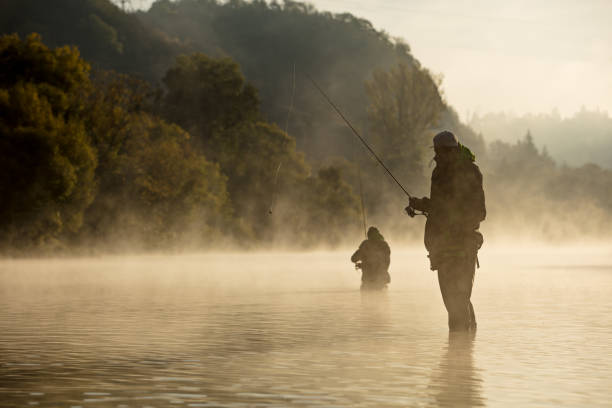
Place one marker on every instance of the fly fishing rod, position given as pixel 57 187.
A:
pixel 409 210
pixel 359 136
pixel 274 190
pixel 363 213
pixel 275 186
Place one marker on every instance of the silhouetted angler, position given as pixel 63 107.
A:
pixel 373 258
pixel 454 211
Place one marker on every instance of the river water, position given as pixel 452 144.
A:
pixel 279 329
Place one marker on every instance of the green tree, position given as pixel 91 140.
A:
pixel 48 162
pixel 333 206
pixel 207 95
pixel 268 39
pixel 105 35
pixel 88 162
pixel 159 192
pixel 404 104
pixel 154 187
pixel 211 98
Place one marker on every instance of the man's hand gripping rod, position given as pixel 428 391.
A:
pixel 409 210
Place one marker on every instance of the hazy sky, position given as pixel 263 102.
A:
pixel 500 55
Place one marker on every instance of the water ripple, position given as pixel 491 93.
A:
pixel 207 331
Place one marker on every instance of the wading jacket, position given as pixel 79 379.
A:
pixel 456 207
pixel 375 257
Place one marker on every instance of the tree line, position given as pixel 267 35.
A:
pixel 171 128
pixel 102 158
pixel 585 137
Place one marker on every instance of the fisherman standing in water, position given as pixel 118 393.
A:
pixel 454 211
pixel 373 257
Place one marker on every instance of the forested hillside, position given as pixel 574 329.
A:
pixel 106 37
pixel 269 41
pixel 196 123
pixel 99 160
pixel 585 137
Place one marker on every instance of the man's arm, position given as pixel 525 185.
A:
pixel 356 257
pixel 420 204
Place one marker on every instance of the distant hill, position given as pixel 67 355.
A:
pixel 343 53
pixel 105 35
pixel 340 51
pixel 583 138
pixel 269 41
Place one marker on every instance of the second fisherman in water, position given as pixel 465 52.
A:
pixel 373 258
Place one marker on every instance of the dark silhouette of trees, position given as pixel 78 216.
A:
pixel 107 37
pixel 191 154
pixel 585 137
pixel 404 104
pixel 267 40
pixel 102 159
pixel 81 156
pixel 48 162
pixel 211 98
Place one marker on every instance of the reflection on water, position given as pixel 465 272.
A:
pixel 276 330
pixel 456 382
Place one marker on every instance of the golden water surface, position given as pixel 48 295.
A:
pixel 284 329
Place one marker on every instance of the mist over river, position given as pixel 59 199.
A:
pixel 293 329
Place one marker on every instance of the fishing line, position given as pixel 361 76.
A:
pixel 275 185
pixel 358 135
pixel 363 213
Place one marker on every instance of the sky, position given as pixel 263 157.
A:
pixel 499 55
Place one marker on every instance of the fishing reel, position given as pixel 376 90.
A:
pixel 413 213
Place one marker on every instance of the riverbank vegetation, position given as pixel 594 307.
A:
pixel 191 126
